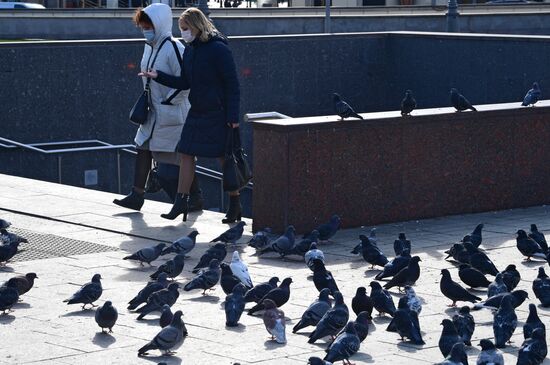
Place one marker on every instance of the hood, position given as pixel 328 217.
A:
pixel 216 37
pixel 161 16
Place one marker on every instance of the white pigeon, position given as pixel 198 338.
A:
pixel 240 270
pixel 414 302
pixel 312 254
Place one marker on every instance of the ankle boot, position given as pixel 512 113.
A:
pixel 195 196
pixel 181 205
pixel 134 200
pixel 234 212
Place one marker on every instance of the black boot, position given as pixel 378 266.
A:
pixel 181 205
pixel 195 196
pixel 134 200
pixel 234 212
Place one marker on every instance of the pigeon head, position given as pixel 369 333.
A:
pixel 323 294
pixel 96 278
pixel 533 311
pixel 415 259
pixel 498 279
pixel 313 246
pixel 408 93
pixel 173 286
pixel 177 317
pixel 269 304
pixel 193 234
pixel 448 327
pixel 350 328
pixel 534 228
pixel 108 304
pixel 316 361
pixel 31 276
pixel 239 289
pixel 363 318
pixel 535 85
pixel 165 307
pixel 235 257
pixel 402 236
pixel 339 299
pixel 286 282
pixel 364 239
pixel 469 247
pixel 454 91
pixel 521 233
pixel 214 263
pixel 335 220
pixel 314 235
pixel 538 334
pixel 361 291
pixel 179 258
pixel 160 246
pixel 336 97
pixel 273 281
pixel 478 228
pixel 464 310
pixel 403 303
pixel 487 345
pixel 445 273
pixel 241 224
pixel 290 230
pixel 409 291
pixel 226 269
pixel 463 266
pixel 375 285
pixel 542 273
pixel 510 267
pixel 219 246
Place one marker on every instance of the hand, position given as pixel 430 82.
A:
pixel 233 125
pixel 151 73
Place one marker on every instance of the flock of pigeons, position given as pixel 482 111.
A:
pixel 328 314
pixel 408 104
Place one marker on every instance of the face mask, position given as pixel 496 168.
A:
pixel 149 35
pixel 187 36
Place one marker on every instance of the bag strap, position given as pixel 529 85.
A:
pixel 154 59
pixel 180 61
pixel 229 142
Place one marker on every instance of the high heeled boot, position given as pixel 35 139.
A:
pixel 134 200
pixel 181 206
pixel 235 210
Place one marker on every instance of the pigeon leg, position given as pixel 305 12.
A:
pixel 452 305
pixel 204 292
pixel 110 330
pixel 141 264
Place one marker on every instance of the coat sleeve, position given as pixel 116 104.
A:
pixel 227 70
pixel 174 82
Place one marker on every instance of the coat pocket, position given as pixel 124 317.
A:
pixel 170 115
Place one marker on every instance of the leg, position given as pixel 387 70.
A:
pixel 135 199
pixel 234 212
pixel 186 174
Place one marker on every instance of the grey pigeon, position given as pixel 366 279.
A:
pixel 405 323
pixel 283 244
pixel 408 104
pixel 149 289
pixel 8 296
pixel 8 251
pixel 259 291
pixel 327 230
pixel 274 321
pixel 495 301
pixel 344 346
pixel 449 336
pixel 343 109
pixel 454 291
pixel 480 260
pixel 497 286
pixel 413 301
pixel 511 277
pixel 158 299
pixel 333 321
pixel 533 322
pixel 476 236
pixel 528 246
pixel 166 316
pixel 472 277
pixel 381 299
pixel 4 224
pixel 313 254
pixel 240 270
pixel 218 252
pixel 205 279
pixel 172 267
pixel 261 239
pixel 458 253
pixel 541 288
pixel 301 248
pixel 394 266
pixel 457 356
pixel 322 278
pixel 182 245
pixel 88 293
pixel 106 316
pixel 401 244
pixel 227 279
pixel 279 296
pixel 232 235
pixel 234 305
pixel 489 354
pixel 169 338
pixel 505 321
pixel 9 237
pixel 407 276
pixel 460 102
pixel 361 302
pixel 533 351
pixel 23 283
pixel 317 361
pixel 315 311
pixel 532 96
pixel 539 238
pixel 370 252
pixel 465 325
pixel 147 254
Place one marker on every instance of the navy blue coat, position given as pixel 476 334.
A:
pixel 210 73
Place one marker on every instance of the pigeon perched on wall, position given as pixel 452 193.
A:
pixel 205 279
pixel 460 102
pixel 344 346
pixel 458 253
pixel 261 238
pixel 480 260
pixel 315 311
pixel 541 288
pixel 405 323
pixel 528 246
pixel 449 336
pixel 240 270
pixel 333 321
pixel 23 283
pixel 8 251
pixel 279 296
pixel 370 252
pixel 322 278
pixel 413 301
pixel 147 254
pixel 381 299
pixel 401 244
pixel 532 96
pixel 313 254
pixel 158 299
pixel 511 277
pixel 234 305
pixel 472 277
pixel 232 235
pixel 465 325
pixel 497 286
pixel 394 266
pixel 301 248
pixel 533 351
pixel 343 109
pixel 361 302
pixel 327 230
pixel 283 244
pixel 505 321
pixel 218 252
pixel 149 289
pixel 106 316
pixel 407 276
pixel 274 321
pixel 539 238
pixel 489 354
pixel 166 316
pixel 457 356
pixel 227 279
pixel 182 245
pixel 454 291
pixel 259 291
pixel 533 322
pixel 170 338
pixel 88 293
pixel 8 296
pixel 408 104
pixel 495 301
pixel 171 268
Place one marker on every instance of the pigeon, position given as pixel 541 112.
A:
pixel 205 279
pixel 494 302
pixel 149 289
pixel 480 260
pixel 166 316
pixel 4 224
pixel 234 305
pixel 541 288
pixel 88 293
pixel 317 361
pixel 497 287
pixel 240 270
pixel 465 325
pixel 460 102
pixel 381 299
pixel 232 235
pixel 539 238
pixel 322 278
pixel 23 283
pixel 261 239
pixel 259 291
pixel 182 245
pixel 218 252
pixel 8 296
pixel 158 299
pixel 407 276
pixel 315 311
pixel 274 321
pixel 533 322
pixel 528 246
pixel 283 245
pixel 8 238
pixel 454 291
pixel 313 254
pixel 371 253
pixel 106 316
pixel 227 279
pixel 476 236
pixel 533 350
pixel 489 354
pixel 401 244
pixel 511 277
pixel 394 266
pixel 361 325
pixel 327 230
pixel 458 253
pixel 457 356
pixel 472 277
pixel 405 323
pixel 333 321
pixel 449 336
pixel 279 296
pixel 172 267
pixel 302 248
pixel 344 346
pixel 505 321
pixel 532 96
pixel 343 109
pixel 361 302
pixel 408 104
pixel 169 338
pixel 413 301
pixel 8 251
pixel 147 254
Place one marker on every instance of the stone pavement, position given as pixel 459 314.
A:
pixel 43 330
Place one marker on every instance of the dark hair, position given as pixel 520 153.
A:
pixel 141 17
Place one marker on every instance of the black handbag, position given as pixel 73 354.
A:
pixel 236 169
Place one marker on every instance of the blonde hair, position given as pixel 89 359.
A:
pixel 196 20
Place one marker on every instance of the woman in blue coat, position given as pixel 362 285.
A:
pixel 210 74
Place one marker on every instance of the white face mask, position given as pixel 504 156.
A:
pixel 187 36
